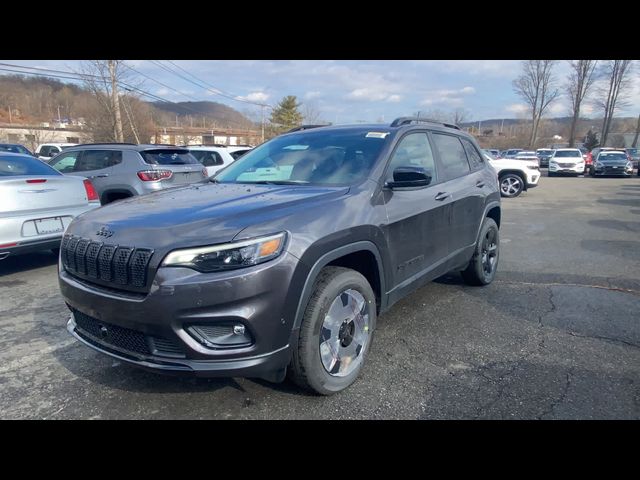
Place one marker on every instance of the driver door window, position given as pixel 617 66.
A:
pixel 414 150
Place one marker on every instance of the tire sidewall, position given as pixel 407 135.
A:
pixel 319 379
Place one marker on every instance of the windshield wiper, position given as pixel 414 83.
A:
pixel 277 182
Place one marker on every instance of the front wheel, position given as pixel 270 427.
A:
pixel 336 332
pixel 511 185
pixel 484 263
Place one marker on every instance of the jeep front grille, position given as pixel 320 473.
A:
pixel 113 264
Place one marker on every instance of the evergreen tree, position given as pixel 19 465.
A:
pixel 591 141
pixel 286 115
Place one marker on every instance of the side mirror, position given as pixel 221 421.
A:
pixel 406 177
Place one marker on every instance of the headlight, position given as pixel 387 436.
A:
pixel 599 165
pixel 533 167
pixel 629 166
pixel 553 162
pixel 228 256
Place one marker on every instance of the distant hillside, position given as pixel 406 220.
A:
pixel 221 114
pixel 30 100
pixel 497 122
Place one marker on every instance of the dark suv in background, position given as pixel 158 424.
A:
pixel 123 170
pixel 284 260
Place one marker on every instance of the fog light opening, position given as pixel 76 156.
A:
pixel 221 336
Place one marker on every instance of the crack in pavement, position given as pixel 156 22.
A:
pixel 563 395
pixel 610 339
pixel 557 284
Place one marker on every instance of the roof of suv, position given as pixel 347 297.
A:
pixel 125 146
pixel 402 123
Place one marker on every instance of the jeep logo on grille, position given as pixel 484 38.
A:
pixel 103 331
pixel 104 232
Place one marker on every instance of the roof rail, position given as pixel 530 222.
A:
pixel 205 145
pixel 103 143
pixel 407 120
pixel 305 127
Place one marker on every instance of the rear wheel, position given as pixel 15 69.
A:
pixel 484 263
pixel 336 332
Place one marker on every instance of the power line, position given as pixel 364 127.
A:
pixel 159 83
pixel 82 76
pixel 207 86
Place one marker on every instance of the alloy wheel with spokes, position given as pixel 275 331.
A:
pixel 511 185
pixel 489 251
pixel 345 333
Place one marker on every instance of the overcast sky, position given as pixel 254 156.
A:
pixel 351 91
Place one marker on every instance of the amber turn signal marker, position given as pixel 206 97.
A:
pixel 270 247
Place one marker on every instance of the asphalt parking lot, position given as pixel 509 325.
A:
pixel 557 335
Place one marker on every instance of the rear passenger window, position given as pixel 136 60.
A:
pixel 97 160
pixel 452 156
pixel 414 150
pixel 475 159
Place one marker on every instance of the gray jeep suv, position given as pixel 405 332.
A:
pixel 283 261
pixel 122 170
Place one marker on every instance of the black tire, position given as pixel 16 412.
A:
pixel 517 187
pixel 475 273
pixel 306 368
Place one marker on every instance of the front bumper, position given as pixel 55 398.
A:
pixel 181 298
pixel 576 169
pixel 253 366
pixel 613 171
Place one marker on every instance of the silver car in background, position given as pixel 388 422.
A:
pixel 37 204
pixel 123 170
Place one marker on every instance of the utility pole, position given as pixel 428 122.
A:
pixel 10 120
pixel 502 125
pixel 115 100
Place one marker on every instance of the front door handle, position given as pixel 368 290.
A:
pixel 480 184
pixel 442 196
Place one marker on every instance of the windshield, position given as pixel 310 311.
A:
pixel 612 156
pixel 323 158
pixel 14 149
pixel 168 157
pixel 11 166
pixel 633 151
pixel 544 152
pixel 567 153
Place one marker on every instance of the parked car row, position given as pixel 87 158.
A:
pixel 42 198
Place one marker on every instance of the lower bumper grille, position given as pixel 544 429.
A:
pixel 125 339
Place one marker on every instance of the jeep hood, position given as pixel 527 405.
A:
pixel 194 215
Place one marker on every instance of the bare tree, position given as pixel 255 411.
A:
pixel 612 94
pixel 579 83
pixel 37 136
pixel 460 115
pixel 635 137
pixel 536 86
pixel 103 79
pixel 311 114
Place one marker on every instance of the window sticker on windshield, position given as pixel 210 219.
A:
pixel 376 134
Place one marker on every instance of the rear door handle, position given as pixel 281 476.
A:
pixel 102 175
pixel 480 184
pixel 442 196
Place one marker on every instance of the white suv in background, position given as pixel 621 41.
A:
pixel 216 157
pixel 47 151
pixel 566 160
pixel 514 176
